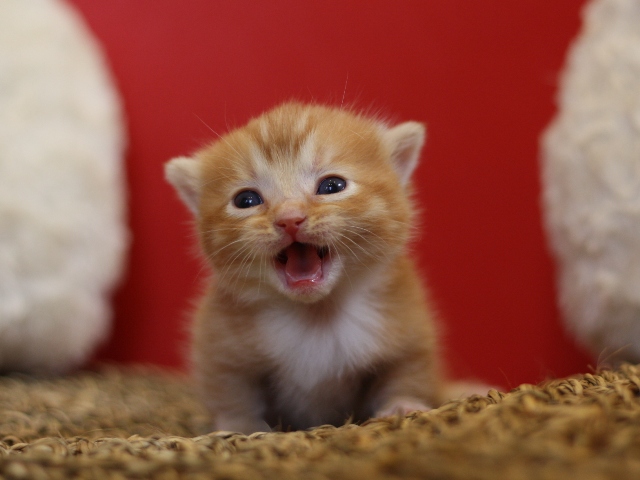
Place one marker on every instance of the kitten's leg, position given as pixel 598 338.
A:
pixel 408 385
pixel 240 423
pixel 401 406
pixel 235 402
pixel 460 389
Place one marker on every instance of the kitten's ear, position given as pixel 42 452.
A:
pixel 184 174
pixel 406 141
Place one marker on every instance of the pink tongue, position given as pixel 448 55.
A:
pixel 303 263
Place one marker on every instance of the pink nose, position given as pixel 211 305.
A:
pixel 291 225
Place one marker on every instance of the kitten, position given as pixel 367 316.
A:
pixel 315 312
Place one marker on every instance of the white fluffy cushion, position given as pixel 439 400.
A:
pixel 62 234
pixel 591 177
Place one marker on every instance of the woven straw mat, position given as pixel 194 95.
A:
pixel 148 424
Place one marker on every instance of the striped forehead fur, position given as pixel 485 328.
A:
pixel 284 131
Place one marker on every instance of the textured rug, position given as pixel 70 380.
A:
pixel 148 424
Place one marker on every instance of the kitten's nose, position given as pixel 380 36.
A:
pixel 291 225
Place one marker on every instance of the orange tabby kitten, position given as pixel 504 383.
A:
pixel 315 312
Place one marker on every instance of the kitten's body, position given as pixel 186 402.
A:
pixel 315 311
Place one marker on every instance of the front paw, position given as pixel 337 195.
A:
pixel 240 424
pixel 402 406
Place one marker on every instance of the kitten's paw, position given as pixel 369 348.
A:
pixel 459 390
pixel 240 425
pixel 402 406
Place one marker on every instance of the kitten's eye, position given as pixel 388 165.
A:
pixel 331 185
pixel 247 199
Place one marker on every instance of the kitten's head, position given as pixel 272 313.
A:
pixel 302 200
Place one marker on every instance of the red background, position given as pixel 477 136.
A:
pixel 481 74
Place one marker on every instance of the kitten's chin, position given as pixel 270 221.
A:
pixel 305 272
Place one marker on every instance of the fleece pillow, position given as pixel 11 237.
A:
pixel 591 179
pixel 62 231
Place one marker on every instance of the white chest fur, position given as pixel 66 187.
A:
pixel 308 348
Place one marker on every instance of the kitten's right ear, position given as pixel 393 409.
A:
pixel 184 174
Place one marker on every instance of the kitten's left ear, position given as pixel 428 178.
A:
pixel 184 174
pixel 406 141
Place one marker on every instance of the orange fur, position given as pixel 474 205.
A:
pixel 271 346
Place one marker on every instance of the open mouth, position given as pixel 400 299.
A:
pixel 302 265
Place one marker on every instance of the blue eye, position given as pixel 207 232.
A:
pixel 247 199
pixel 331 185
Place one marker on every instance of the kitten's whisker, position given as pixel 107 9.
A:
pixel 400 222
pixel 379 249
pixel 246 260
pixel 262 260
pixel 222 229
pixel 206 125
pixel 366 230
pixel 350 230
pixel 344 93
pixel 251 264
pixel 217 178
pixel 213 180
pixel 376 248
pixel 213 230
pixel 204 266
pixel 240 269
pixel 230 261
pixel 237 255
pixel 379 246
pixel 223 138
pixel 356 134
pixel 364 250
pixel 227 245
pixel 345 270
pixel 235 169
pixel 353 253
